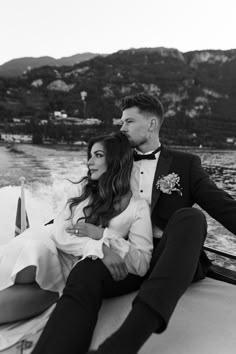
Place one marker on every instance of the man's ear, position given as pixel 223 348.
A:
pixel 153 124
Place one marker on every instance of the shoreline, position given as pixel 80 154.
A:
pixel 72 147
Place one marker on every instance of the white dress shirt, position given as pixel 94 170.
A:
pixel 141 183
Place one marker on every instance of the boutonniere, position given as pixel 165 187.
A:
pixel 170 183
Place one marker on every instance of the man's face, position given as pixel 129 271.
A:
pixel 135 125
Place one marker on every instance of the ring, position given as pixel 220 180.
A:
pixel 76 231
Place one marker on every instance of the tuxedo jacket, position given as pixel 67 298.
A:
pixel 196 187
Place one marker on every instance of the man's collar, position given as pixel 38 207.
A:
pixel 156 151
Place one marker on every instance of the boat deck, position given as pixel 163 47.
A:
pixel 203 322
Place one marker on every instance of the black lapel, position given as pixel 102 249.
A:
pixel 163 167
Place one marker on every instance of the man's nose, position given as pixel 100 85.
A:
pixel 123 128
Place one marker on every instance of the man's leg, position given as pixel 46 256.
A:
pixel 71 325
pixel 175 262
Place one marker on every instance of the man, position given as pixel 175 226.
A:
pixel 171 182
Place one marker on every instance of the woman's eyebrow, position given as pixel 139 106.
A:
pixel 98 151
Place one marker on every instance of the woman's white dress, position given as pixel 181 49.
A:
pixel 54 252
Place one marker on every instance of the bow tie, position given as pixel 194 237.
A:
pixel 151 156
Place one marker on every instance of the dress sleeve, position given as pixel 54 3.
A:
pixel 66 242
pixel 136 250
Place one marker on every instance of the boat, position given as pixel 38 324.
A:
pixel 10 145
pixel 203 322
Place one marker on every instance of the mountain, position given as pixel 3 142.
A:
pixel 197 88
pixel 18 66
pixel 77 58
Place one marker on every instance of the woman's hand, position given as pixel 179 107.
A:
pixel 86 230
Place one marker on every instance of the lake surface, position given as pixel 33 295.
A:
pixel 46 171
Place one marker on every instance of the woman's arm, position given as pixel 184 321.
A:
pixel 137 249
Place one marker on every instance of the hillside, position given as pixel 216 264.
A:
pixel 198 90
pixel 17 67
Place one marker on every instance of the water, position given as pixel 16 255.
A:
pixel 46 171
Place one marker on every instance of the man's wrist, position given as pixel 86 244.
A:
pixel 106 249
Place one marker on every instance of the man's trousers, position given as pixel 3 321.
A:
pixel 177 261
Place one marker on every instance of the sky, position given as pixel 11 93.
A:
pixel 61 28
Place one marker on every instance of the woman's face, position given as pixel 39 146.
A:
pixel 97 163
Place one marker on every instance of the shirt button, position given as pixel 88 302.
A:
pixel 141 191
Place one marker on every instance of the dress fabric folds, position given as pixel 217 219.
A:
pixel 54 252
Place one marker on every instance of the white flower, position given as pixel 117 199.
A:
pixel 168 184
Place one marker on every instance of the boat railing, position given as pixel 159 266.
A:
pixel 219 272
pixel 220 252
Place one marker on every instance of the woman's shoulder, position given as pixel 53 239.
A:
pixel 131 205
pixel 138 202
pixel 139 208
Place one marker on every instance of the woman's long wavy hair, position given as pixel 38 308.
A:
pixel 105 194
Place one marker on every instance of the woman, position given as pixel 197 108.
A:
pixel 35 265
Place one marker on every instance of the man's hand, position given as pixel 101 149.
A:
pixel 115 264
pixel 82 229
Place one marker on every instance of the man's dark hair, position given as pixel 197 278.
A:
pixel 145 102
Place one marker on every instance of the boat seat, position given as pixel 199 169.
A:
pixel 204 322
